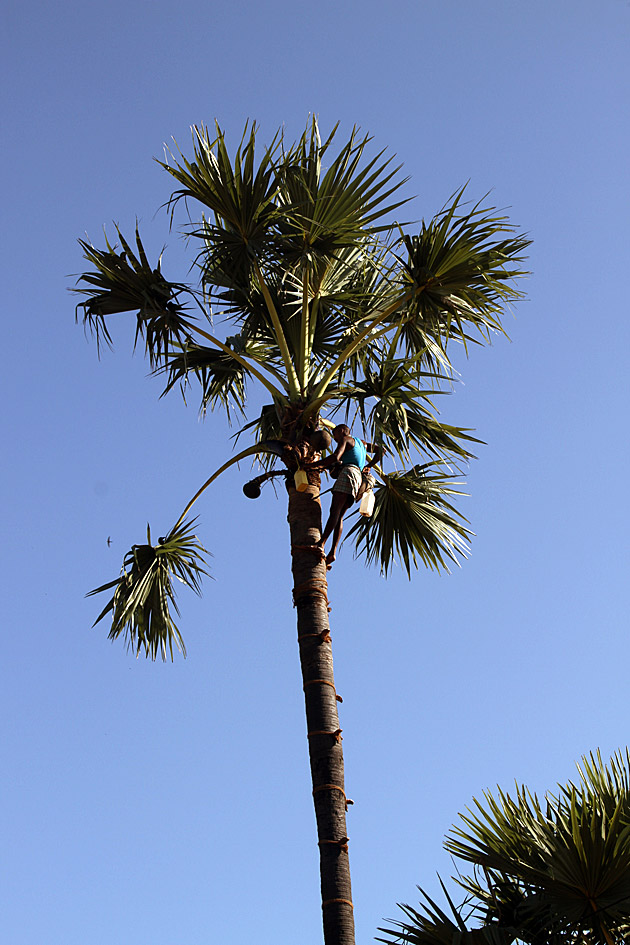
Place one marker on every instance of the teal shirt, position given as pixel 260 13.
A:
pixel 355 455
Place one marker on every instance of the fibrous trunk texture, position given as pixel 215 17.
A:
pixel 322 720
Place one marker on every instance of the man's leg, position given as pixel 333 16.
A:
pixel 341 502
pixel 337 508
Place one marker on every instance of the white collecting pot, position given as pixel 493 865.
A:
pixel 367 504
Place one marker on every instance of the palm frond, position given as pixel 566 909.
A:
pixel 559 865
pixel 124 282
pixel 144 593
pixel 222 378
pixel 325 213
pixel 239 192
pixel 608 786
pixel 431 925
pixel 461 268
pixel 395 404
pixel 413 522
pixel 339 295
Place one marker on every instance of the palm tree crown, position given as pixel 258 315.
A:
pixel 333 310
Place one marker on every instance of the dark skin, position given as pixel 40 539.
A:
pixel 341 501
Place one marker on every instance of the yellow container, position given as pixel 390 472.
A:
pixel 301 480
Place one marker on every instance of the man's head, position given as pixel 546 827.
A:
pixel 340 431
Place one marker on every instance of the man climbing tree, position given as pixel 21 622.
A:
pixel 351 456
pixel 307 289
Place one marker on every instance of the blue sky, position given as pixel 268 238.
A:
pixel 170 804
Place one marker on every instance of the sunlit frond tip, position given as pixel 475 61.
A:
pixel 144 592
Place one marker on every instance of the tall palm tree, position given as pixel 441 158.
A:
pixel 550 873
pixel 332 310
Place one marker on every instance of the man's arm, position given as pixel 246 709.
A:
pixel 331 460
pixel 377 451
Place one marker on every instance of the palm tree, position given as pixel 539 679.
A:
pixel 551 873
pixel 333 310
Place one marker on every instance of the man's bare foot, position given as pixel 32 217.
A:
pixel 330 557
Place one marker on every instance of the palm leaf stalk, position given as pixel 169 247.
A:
pixel 551 872
pixel 306 288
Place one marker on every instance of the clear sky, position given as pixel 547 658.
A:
pixel 169 804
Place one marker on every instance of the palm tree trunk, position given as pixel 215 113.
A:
pixel 322 720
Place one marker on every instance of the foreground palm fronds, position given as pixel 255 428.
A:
pixel 555 872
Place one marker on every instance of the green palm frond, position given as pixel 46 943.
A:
pixel 431 925
pixel 144 592
pixel 562 865
pixel 222 378
pixel 239 192
pixel 124 282
pixel 442 440
pixel 326 213
pixel 461 268
pixel 395 405
pixel 251 312
pixel 606 785
pixel 413 522
pixel 339 297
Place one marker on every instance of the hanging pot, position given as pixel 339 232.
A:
pixel 252 489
